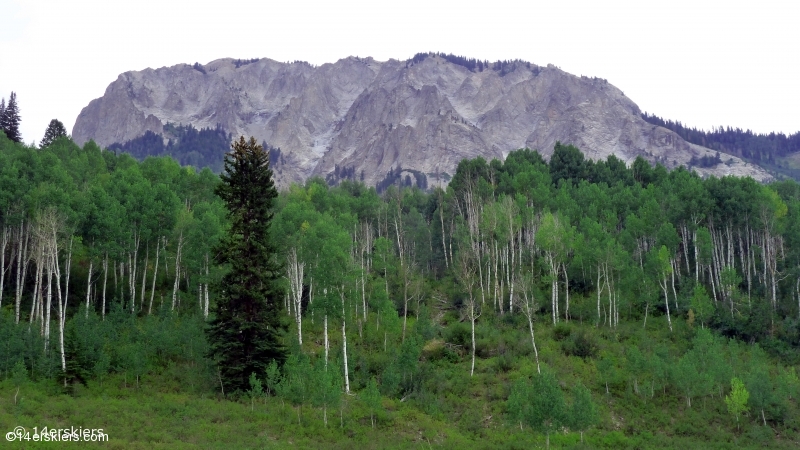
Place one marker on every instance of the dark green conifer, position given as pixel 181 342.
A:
pixel 54 131
pixel 9 119
pixel 245 333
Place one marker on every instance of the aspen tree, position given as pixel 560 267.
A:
pixel 466 276
pixel 529 307
pixel 294 272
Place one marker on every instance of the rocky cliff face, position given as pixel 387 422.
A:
pixel 361 116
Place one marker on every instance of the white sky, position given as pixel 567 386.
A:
pixel 704 63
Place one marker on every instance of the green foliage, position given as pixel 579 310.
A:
pixel 256 389
pixel 371 397
pixel 582 344
pixel 538 403
pixel 55 129
pixel 273 377
pixel 567 163
pixel 583 413
pixel 326 389
pixel 701 304
pixel 9 119
pixel 244 335
pixel 614 233
pixel 201 148
pixel 737 400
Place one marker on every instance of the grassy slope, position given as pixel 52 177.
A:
pixel 458 411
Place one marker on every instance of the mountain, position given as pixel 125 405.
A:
pixel 377 121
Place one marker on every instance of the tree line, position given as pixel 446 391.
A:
pixel 764 149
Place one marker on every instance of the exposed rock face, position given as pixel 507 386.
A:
pixel 370 116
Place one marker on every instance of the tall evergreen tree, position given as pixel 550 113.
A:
pixel 245 333
pixel 9 119
pixel 54 131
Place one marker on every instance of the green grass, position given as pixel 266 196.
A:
pixel 178 406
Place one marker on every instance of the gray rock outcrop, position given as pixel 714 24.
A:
pixel 369 116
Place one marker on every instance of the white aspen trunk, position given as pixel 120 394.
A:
pixel 327 345
pixel 488 254
pixel 566 291
pixel 511 283
pixel 105 282
pixel 89 285
pixel 22 253
pixel 36 286
pixel 599 292
pixel 344 345
pixel 472 322
pixel 363 291
pixel 713 285
pixel 529 314
pixel 773 281
pixel 742 260
pixel 494 257
pixel 553 287
pixel 114 270
pixel 295 270
pixel 405 301
pixel 729 234
pixel 610 297
pixel 4 239
pixel 60 312
pixel 166 257
pixel 66 281
pixel 155 275
pixel 49 301
pixel 663 284
pixel 131 283
pixel 68 270
pixel 685 245
pixel 450 241
pixel 751 264
pixel 444 246
pixel 205 309
pixel 144 277
pixel 696 257
pixel 176 284
pixel 480 271
pixel 675 266
pixel 62 308
pixel 133 269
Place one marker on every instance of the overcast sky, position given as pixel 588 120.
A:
pixel 703 63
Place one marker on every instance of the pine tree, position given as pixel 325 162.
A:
pixel 54 131
pixel 9 119
pixel 245 334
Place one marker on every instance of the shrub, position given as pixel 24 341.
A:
pixel 582 344
pixel 561 331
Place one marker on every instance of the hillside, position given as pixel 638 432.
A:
pixel 642 303
pixel 365 120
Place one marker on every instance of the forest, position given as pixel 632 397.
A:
pixel 567 304
pixel 766 150
pixel 186 144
